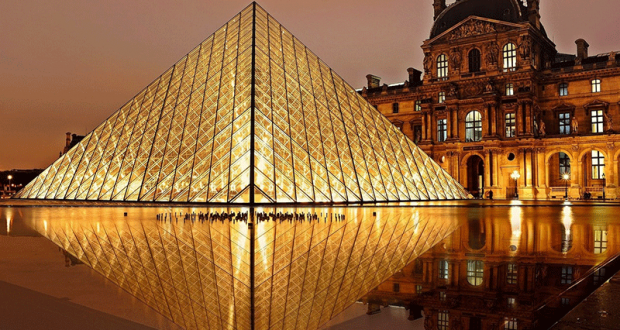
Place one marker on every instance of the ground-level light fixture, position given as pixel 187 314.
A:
pixel 566 177
pixel 515 176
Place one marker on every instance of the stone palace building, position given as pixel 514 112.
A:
pixel 501 110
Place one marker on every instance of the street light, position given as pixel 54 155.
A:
pixel 515 176
pixel 566 177
pixel 10 177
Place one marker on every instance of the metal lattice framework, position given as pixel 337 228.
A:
pixel 214 275
pixel 249 116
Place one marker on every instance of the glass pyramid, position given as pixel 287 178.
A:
pixel 249 116
pixel 226 275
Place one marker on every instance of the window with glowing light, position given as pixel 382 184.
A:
pixel 510 89
pixel 473 127
pixel 596 86
pixel 511 274
pixel 442 320
pixel 597 121
pixel 442 66
pixel 418 105
pixel 510 57
pixel 600 241
pixel 510 323
pixel 475 272
pixel 598 165
pixel 511 125
pixel 441 98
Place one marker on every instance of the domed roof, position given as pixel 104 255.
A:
pixel 502 10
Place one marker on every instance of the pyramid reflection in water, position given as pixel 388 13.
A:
pixel 199 274
pixel 249 116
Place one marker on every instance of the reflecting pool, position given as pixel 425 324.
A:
pixel 460 266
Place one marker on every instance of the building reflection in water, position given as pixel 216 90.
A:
pixel 207 275
pixel 524 271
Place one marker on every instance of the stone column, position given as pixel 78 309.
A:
pixel 528 118
pixel 423 127
pixel 455 126
pixel 485 121
pixel 519 118
pixel 487 170
pixel 496 157
pixel 449 123
pixel 527 154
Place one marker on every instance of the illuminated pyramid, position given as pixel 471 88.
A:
pixel 249 116
pixel 209 275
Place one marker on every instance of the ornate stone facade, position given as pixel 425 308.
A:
pixel 509 98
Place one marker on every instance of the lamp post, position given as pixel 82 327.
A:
pixel 566 177
pixel 515 176
pixel 10 177
pixel 604 184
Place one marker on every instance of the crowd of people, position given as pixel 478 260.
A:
pixel 243 217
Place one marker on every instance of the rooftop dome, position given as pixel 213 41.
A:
pixel 502 10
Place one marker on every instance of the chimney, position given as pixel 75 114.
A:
pixel 414 76
pixel 68 139
pixel 533 12
pixel 439 6
pixel 373 81
pixel 582 49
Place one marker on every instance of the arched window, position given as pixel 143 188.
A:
pixel 564 165
pixel 598 165
pixel 475 272
pixel 473 127
pixel 510 57
pixel 474 60
pixel 442 66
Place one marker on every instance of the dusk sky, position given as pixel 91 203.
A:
pixel 66 65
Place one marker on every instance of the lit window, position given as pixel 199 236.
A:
pixel 442 97
pixel 512 302
pixel 510 90
pixel 510 57
pixel 565 302
pixel 511 275
pixel 597 121
pixel 395 107
pixel 442 320
pixel 596 86
pixel 474 60
pixel 418 289
pixel 511 125
pixel 598 165
pixel 442 130
pixel 600 241
pixel 442 66
pixel 475 272
pixel 418 105
pixel 473 127
pixel 396 287
pixel 564 123
pixel 443 269
pixel 564 165
pixel 563 89
pixel 510 323
pixel 442 296
pixel 567 275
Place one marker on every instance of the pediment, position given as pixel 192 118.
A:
pixel 564 107
pixel 474 26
